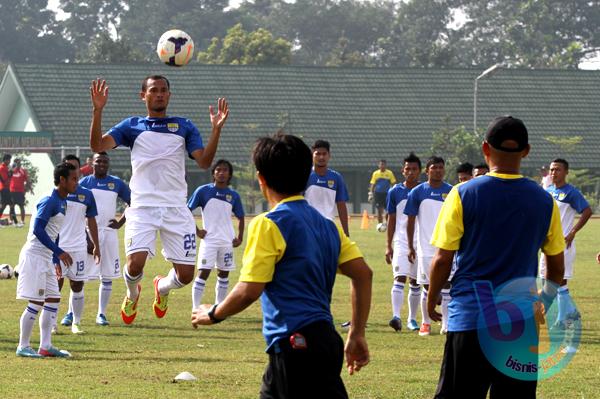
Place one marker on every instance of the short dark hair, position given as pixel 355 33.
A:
pixel 71 157
pixel 63 169
pixel 563 161
pixel 321 144
pixel 413 158
pixel 222 162
pixel 6 157
pixel 482 166
pixel 284 161
pixel 154 77
pixel 465 167
pixel 102 153
pixel 433 160
pixel 383 160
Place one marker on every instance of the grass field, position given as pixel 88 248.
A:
pixel 140 361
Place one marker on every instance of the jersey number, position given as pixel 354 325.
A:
pixel 189 241
pixel 80 265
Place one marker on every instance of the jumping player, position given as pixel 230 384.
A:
pixel 217 202
pixel 159 144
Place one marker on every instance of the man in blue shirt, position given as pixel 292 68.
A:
pixel 290 262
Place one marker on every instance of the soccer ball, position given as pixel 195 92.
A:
pixel 381 227
pixel 175 47
pixel 6 271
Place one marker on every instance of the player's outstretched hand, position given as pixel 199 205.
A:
pixel 66 259
pixel 200 316
pixel 357 353
pixel 99 93
pixel 218 120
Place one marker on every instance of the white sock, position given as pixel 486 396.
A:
pixel 198 291
pixel 132 283
pixel 445 301
pixel 104 292
pixel 70 310
pixel 397 298
pixel 26 324
pixel 76 300
pixel 424 314
pixel 221 289
pixel 47 320
pixel 414 296
pixel 169 282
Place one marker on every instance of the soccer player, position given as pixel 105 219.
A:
pixel 381 181
pixel 37 281
pixel 326 190
pixel 159 144
pixel 464 172
pixel 291 261
pixel 480 170
pixel 5 172
pixel 396 252
pixel 496 225
pixel 106 189
pixel 217 202
pixel 570 202
pixel 81 207
pixel 18 185
pixel 422 208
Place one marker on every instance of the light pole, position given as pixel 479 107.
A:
pixel 485 73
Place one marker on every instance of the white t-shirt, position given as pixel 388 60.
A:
pixel 106 191
pixel 80 205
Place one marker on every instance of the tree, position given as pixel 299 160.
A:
pixel 456 145
pixel 104 50
pixel 254 48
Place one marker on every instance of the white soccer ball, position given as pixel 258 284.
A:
pixel 381 227
pixel 175 47
pixel 6 271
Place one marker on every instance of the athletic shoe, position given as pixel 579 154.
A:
pixel 53 352
pixel 27 352
pixel 425 329
pixel 101 320
pixel 412 325
pixel 67 320
pixel 396 324
pixel 161 302
pixel 129 307
pixel 346 324
pixel 76 329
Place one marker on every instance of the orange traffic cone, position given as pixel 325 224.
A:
pixel 364 224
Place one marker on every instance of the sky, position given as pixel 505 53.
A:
pixel 591 64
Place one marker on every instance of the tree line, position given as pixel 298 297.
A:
pixel 379 33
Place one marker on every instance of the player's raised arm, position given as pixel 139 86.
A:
pixel 205 156
pixel 99 96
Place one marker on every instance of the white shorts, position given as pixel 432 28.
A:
pixel 37 278
pixel 110 262
pixel 453 269
pixel 83 265
pixel 210 257
pixel 177 229
pixel 423 263
pixel 401 265
pixel 569 262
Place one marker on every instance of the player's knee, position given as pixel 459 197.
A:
pixel 76 286
pixel 185 276
pixel 223 273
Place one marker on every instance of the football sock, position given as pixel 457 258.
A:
pixel 445 301
pixel 132 283
pixel 76 301
pixel 414 296
pixel 221 289
pixel 169 282
pixel 397 298
pixel 198 291
pixel 27 322
pixel 47 320
pixel 424 313
pixel 104 292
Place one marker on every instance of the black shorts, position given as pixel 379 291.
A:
pixel 5 197
pixel 466 373
pixel 313 372
pixel 18 198
pixel 380 199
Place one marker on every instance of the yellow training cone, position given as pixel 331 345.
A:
pixel 364 224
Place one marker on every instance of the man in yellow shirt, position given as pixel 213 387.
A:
pixel 381 181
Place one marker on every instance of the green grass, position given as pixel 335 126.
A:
pixel 140 361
